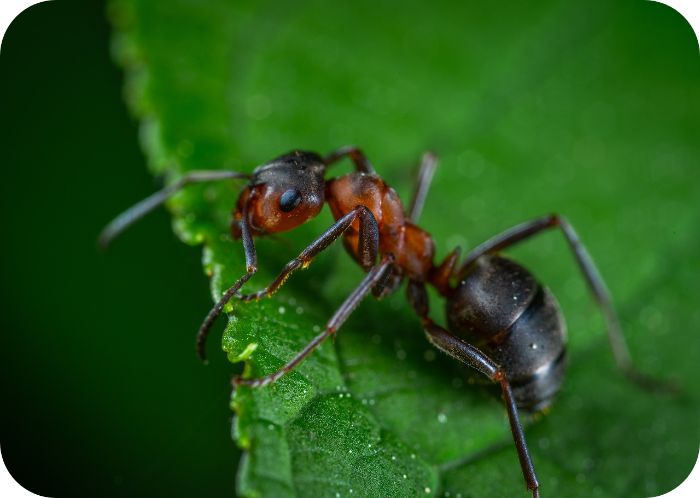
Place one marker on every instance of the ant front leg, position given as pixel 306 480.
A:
pixel 593 279
pixel 251 262
pixel 358 157
pixel 466 353
pixel 375 279
pixel 367 250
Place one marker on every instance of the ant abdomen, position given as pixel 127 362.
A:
pixel 502 309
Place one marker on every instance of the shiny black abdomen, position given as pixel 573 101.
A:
pixel 501 309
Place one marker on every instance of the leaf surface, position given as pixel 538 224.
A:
pixel 586 109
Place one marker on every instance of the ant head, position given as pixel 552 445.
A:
pixel 283 194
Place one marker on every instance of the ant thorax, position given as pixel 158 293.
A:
pixel 413 247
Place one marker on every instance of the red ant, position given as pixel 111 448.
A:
pixel 502 322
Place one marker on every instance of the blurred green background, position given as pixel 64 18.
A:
pixel 100 398
pixel 588 109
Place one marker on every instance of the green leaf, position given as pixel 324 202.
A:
pixel 588 109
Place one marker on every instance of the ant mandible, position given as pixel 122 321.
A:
pixel 501 321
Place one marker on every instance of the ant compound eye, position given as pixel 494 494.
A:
pixel 289 200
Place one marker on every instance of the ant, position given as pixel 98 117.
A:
pixel 501 320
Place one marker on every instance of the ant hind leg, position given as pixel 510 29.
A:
pixel 468 354
pixel 593 279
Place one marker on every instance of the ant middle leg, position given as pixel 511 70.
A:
pixel 375 279
pixel 428 164
pixel 593 279
pixel 368 249
pixel 468 354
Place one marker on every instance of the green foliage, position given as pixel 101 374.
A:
pixel 589 109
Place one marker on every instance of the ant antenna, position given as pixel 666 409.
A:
pixel 138 211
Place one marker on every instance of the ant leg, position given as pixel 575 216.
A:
pixel 375 278
pixel 466 353
pixel 358 157
pixel 455 347
pixel 593 279
pixel 362 164
pixel 368 248
pixel 138 211
pixel 251 262
pixel 425 176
